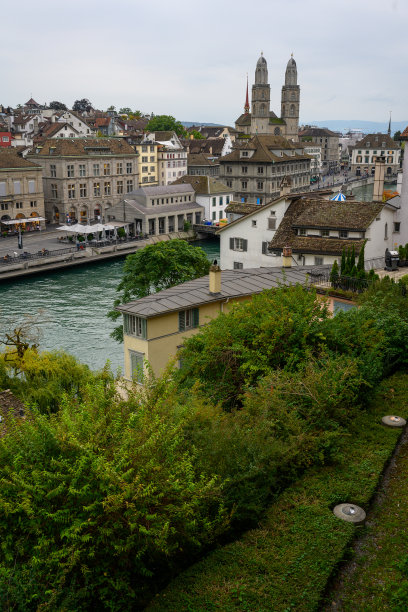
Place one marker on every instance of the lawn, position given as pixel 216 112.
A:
pixel 286 563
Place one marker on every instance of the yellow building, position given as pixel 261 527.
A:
pixel 155 326
pixel 148 164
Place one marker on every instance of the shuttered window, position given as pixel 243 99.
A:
pixel 271 223
pixel 188 319
pixel 136 366
pixel 238 244
pixel 135 326
pixel 264 248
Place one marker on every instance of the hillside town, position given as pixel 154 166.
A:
pixel 203 365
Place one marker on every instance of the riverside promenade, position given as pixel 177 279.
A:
pixel 44 251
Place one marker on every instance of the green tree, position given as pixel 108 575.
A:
pixel 334 274
pixel 111 108
pixel 343 262
pixel 197 135
pixel 165 123
pixel 156 267
pixel 55 105
pixel 125 110
pixel 397 135
pixel 361 255
pixel 82 105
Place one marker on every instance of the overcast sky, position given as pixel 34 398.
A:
pixel 189 58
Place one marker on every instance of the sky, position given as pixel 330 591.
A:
pixel 190 58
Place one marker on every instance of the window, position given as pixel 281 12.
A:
pixel 318 261
pixel 259 185
pixel 260 170
pixel 244 153
pixel 2 188
pixel 82 190
pixel 238 265
pixel 19 205
pixel 152 168
pixel 227 200
pixel 244 184
pixel 386 231
pixel 253 222
pixel 134 326
pixel 54 190
pixel 221 202
pixel 53 170
pixel 238 244
pixel 4 206
pixel 129 168
pixel 145 169
pixel 151 148
pixel 5 138
pixel 136 366
pixel 145 179
pixel 343 234
pixel 145 159
pixel 228 183
pixel 214 201
pixel 97 189
pixel 244 169
pixel 325 233
pixel 129 186
pixel 188 319
pixel 70 170
pixel 33 203
pixel 214 215
pixel 265 248
pixel 71 191
pixel 151 158
pixel 106 169
pixel 107 188
pixel 96 169
pixel 119 187
pixel 229 169
pixel 271 223
pixel 31 186
pixel 397 226
pixel 17 187
pixel 144 148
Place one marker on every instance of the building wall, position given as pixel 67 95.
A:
pixel 255 235
pixel 23 193
pixel 112 186
pixel 214 205
pixel 148 163
pixel 172 165
pixel 363 160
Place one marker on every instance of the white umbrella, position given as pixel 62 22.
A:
pixel 64 228
pixel 109 227
pixel 98 227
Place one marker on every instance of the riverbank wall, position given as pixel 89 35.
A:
pixel 90 255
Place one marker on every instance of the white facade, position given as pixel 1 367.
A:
pixel 243 243
pixel 77 123
pixel 172 164
pixel 214 205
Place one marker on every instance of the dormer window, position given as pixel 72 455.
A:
pixel 244 153
pixel 302 231
pixel 367 145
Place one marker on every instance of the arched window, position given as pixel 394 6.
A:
pixel 262 113
pixel 277 131
pixel 292 110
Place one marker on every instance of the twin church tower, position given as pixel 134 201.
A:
pixel 264 121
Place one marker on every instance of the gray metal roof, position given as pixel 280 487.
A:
pixel 162 190
pixel 160 208
pixel 234 283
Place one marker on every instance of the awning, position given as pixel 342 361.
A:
pixel 20 221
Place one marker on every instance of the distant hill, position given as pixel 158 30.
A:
pixel 368 127
pixel 188 124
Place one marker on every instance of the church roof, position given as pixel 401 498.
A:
pixel 244 119
pixel 291 63
pixel 261 60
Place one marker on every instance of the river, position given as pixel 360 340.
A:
pixel 69 309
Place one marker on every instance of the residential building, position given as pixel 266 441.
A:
pixel 365 152
pixel 21 187
pixel 329 142
pixel 212 148
pixel 200 164
pixel 156 326
pixel 213 195
pixel 244 241
pixel 172 157
pixel 315 153
pixel 85 177
pixel 74 120
pixel 5 139
pixel 264 121
pixel 147 159
pixel 158 210
pixel 255 169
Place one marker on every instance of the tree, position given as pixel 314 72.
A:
pixel 360 263
pixel 165 123
pixel 55 105
pixel 125 110
pixel 111 108
pixel 334 274
pixel 397 135
pixel 197 135
pixel 81 106
pixel 156 267
pixel 343 262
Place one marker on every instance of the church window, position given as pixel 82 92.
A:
pixel 277 131
pixel 262 113
pixel 292 110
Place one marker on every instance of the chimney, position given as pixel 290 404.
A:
pixel 379 174
pixel 287 257
pixel 215 278
pixel 285 186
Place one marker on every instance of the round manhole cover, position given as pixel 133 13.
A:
pixel 392 420
pixel 350 513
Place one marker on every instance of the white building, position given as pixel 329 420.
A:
pixel 366 151
pixel 172 157
pixel 210 193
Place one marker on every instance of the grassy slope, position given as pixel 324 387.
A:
pixel 285 564
pixel 374 577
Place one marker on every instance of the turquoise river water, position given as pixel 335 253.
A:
pixel 69 309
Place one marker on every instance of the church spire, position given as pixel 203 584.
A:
pixel 246 107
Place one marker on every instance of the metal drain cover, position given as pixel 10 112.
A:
pixel 392 420
pixel 350 513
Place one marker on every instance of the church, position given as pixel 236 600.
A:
pixel 264 121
